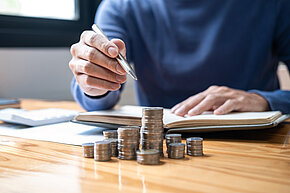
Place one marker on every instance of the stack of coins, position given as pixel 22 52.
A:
pixel 128 142
pixel 102 151
pixel 172 138
pixel 176 150
pixel 114 147
pixel 194 146
pixel 148 157
pixel 110 134
pixel 88 150
pixel 152 129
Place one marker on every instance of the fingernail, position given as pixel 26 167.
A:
pixel 112 51
pixel 120 78
pixel 120 69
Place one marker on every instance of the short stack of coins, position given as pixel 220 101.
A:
pixel 172 138
pixel 176 150
pixel 102 151
pixel 194 146
pixel 88 150
pixel 152 129
pixel 128 142
pixel 114 147
pixel 148 157
pixel 110 134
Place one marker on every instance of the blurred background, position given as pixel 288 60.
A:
pixel 35 38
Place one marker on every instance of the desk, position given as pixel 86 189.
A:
pixel 241 161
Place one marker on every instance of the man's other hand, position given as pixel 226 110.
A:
pixel 221 100
pixel 94 65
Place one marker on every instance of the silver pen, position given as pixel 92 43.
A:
pixel 121 60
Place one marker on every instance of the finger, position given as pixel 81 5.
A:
pixel 94 56
pixel 189 104
pixel 173 109
pixel 229 106
pixel 207 104
pixel 100 42
pixel 121 46
pixel 88 68
pixel 98 83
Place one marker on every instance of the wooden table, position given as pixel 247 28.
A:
pixel 240 161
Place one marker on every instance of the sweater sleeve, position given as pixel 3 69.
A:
pixel 279 100
pixel 110 19
pixel 93 104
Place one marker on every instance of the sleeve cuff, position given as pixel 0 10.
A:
pixel 93 104
pixel 278 100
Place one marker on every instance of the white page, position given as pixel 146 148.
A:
pixel 67 132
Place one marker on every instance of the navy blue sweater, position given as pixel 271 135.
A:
pixel 181 47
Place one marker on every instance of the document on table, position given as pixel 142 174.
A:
pixel 67 132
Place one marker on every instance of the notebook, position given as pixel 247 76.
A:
pixel 131 115
pixel 9 103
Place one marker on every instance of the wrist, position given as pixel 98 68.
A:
pixel 262 102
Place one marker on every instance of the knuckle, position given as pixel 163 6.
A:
pixel 105 46
pixel 73 49
pixel 87 67
pixel 242 99
pixel 90 53
pixel 213 87
pixel 84 35
pixel 211 97
pixel 92 39
pixel 223 88
pixel 71 64
pixel 88 80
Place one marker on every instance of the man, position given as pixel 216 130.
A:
pixel 181 49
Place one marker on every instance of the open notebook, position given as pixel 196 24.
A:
pixel 131 115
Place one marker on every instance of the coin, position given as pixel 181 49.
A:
pixel 151 132
pixel 172 138
pixel 102 151
pixel 176 150
pixel 128 142
pixel 148 157
pixel 88 150
pixel 194 146
pixel 110 134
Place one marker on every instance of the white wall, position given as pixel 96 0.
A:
pixel 35 73
pixel 41 73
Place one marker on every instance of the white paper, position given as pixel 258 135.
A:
pixel 67 132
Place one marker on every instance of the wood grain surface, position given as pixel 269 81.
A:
pixel 240 161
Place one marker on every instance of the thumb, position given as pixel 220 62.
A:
pixel 121 45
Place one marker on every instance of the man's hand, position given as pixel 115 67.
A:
pixel 94 66
pixel 221 100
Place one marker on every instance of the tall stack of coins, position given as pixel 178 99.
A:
pixel 152 129
pixel 176 150
pixel 128 142
pixel 110 134
pixel 114 147
pixel 148 157
pixel 194 146
pixel 172 138
pixel 88 150
pixel 102 151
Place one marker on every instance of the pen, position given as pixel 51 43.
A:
pixel 121 60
